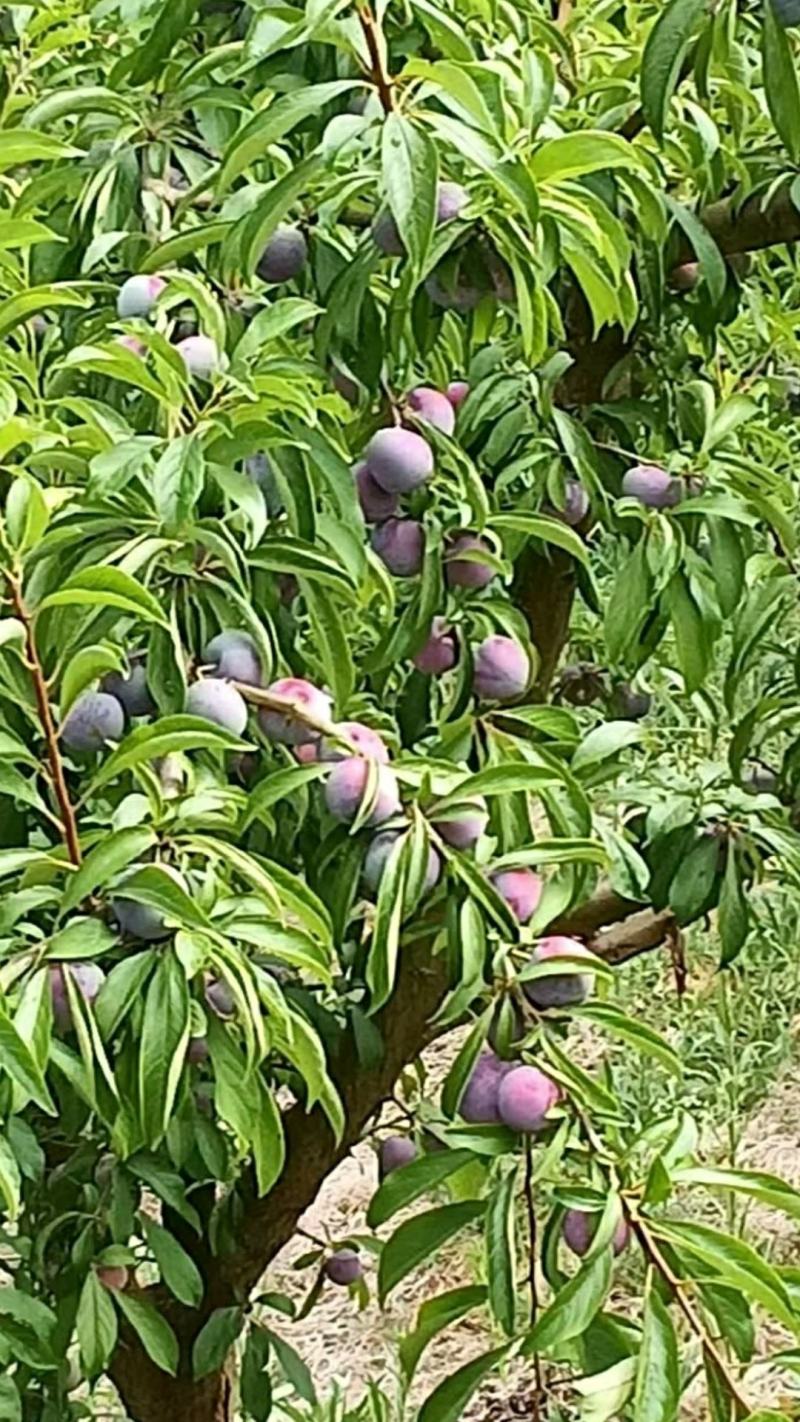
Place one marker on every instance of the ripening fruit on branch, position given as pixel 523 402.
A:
pixel 197 1051
pixel 94 718
pixel 131 690
pixel 284 256
pixel 521 889
pixel 138 295
pixel 457 392
pixel 628 704
pixel 233 656
pixel 581 684
pixel 362 740
pixel 399 460
pixel 433 407
pixel 480 1104
pixel 451 199
pixel 376 504
pixel 113 1276
pixel 563 989
pixel 440 652
pixel 139 920
pixel 524 1098
pixel 88 978
pixel 344 1267
pixel 579 1228
pixel 282 726
pixel 349 781
pixel 502 669
pixel 464 828
pixel 378 853
pixel 395 1152
pixel 400 545
pixel 132 344
pixel 684 277
pixel 219 702
pixel 201 356
pixel 575 506
pixel 219 997
pixel 652 486
pixel 463 572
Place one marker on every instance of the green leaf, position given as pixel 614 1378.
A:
pixel 10 1179
pixel 279 785
pixel 573 1307
pixel 603 742
pixel 96 1325
pixel 165 1035
pixel 172 22
pixel 712 265
pixel 573 155
pixel 215 1340
pixel 84 668
pixel 780 81
pixel 158 1340
pixel 17 1060
pixel 448 1401
pixel 694 879
pixel 410 167
pixel 155 886
pixel 115 852
pixel 170 733
pixel 273 122
pixel 10 1401
pixel 663 57
pixel 165 1184
pixel 24 145
pixel 293 1367
pixel 456 1080
pixel 254 1381
pixel 549 530
pixel 691 638
pixel 419 1238
pixel 331 639
pixel 630 1029
pixel 732 918
pixel 658 1380
pixel 735 1262
pixel 434 1315
pixel 385 945
pixel 106 587
pixel 177 481
pixel 757 1184
pixel 81 938
pixel 178 1270
pixel 503 780
pixel 500 1251
pixel 403 1187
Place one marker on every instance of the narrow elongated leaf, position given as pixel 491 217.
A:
pixel 165 1035
pixel 96 1325
pixel 170 733
pixel 410 166
pixel 115 852
pixel 106 587
pixel 658 1383
pixel 737 1264
pixel 574 1306
pixel 178 1270
pixel 448 1401
pixel 17 1060
pixel 662 59
pixel 434 1315
pixel 158 1340
pixel 177 481
pixel 500 1251
pixel 215 1340
pixel 419 1238
pixel 404 1186
pixel 781 85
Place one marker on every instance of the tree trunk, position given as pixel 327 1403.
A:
pixel 150 1395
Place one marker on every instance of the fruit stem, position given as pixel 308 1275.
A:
pixel 68 824
pixel 380 78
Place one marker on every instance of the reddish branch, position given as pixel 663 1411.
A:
pixel 68 822
pixel 378 73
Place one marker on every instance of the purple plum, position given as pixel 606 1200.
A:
pixel 524 1098
pixel 361 739
pixel 378 853
pixel 400 545
pixel 347 784
pixel 138 295
pixel 400 460
pixel 451 198
pixel 502 669
pixel 463 572
pixel 457 392
pixel 197 1051
pixel 480 1101
pixel 628 704
pixel 201 356
pixel 563 989
pixel 395 1152
pixel 685 277
pixel 576 504
pixel 131 690
pixel 440 652
pixel 219 996
pixel 433 407
pixel 521 889
pixel 464 829
pixel 579 1228
pixel 284 256
pixel 344 1267
pixel 376 504
pixel 88 979
pixel 234 657
pixel 652 486
pixel 287 729
pixel 218 702
pixel 94 718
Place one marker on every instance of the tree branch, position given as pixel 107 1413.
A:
pixel 749 227
pixel 378 74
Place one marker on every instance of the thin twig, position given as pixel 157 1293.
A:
pixel 532 1244
pixel 68 822
pixel 382 81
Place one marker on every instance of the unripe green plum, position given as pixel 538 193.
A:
pixel 284 728
pixel 502 669
pixel 347 783
pixel 580 1227
pixel 378 853
pixel 361 739
pixel 457 392
pixel 234 657
pixel 563 989
pixel 628 704
pixel 464 829
pixel 131 690
pixel 480 1102
pixel 139 920
pixel 463 572
pixel 395 1152
pixel 138 295
pixel 440 652
pixel 93 719
pixel 113 1276
pixel 400 544
pixel 88 979
pixel 344 1267
pixel 652 486
pixel 284 256
pixel 433 407
pixel 524 1098
pixel 201 356
pixel 399 460
pixel 218 702
pixel 376 504
pixel 521 889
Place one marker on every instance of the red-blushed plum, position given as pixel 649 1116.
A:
pixel 480 1102
pixel 521 889
pixel 139 920
pixel 433 407
pixel 197 1051
pixel 361 739
pixel 284 256
pixel 131 690
pixel 113 1276
pixel 94 718
pixel 400 545
pixel 307 753
pixel 502 669
pixel 376 504
pixel 347 783
pixel 562 989
pixel 282 726
pixel 344 1267
pixel 466 828
pixel 400 460
pixel 628 704
pixel 440 652
pixel 652 486
pixel 576 503
pixel 219 996
pixel 524 1098
pixel 132 344
pixel 200 355
pixel 378 853
pixel 463 572
pixel 219 702
pixel 685 277
pixel 138 295
pixel 88 979
pixel 579 1228
pixel 395 1152
pixel 233 656
pixel 457 392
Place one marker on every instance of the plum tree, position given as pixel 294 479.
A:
pixel 233 655
pixel 131 690
pixel 399 460
pixel 502 669
pixel 344 1267
pixel 400 544
pixel 284 256
pixel 440 652
pixel 395 1152
pixel 559 989
pixel 463 572
pixel 138 295
pixel 93 719
pixel 524 1098
pixel 219 702
pixel 304 699
pixel 354 788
